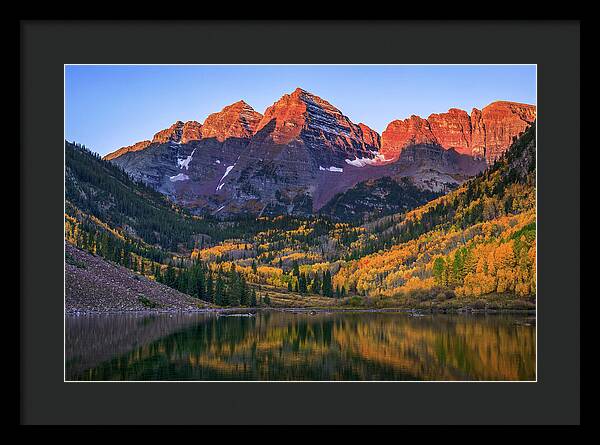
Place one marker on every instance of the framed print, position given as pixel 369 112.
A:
pixel 335 229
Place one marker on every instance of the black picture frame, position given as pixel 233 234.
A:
pixel 47 45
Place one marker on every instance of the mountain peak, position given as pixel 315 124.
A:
pixel 310 98
pixel 191 131
pixel 299 91
pixel 239 104
pixel 171 134
pixel 306 116
pixel 179 132
pixel 236 120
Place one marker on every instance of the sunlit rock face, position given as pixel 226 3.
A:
pixel 191 131
pixel 371 137
pixel 138 146
pixel 452 129
pixel 300 146
pixel 179 132
pixel 238 120
pixel 487 133
pixel 187 160
pixel 400 134
pixel 303 151
pixel 302 115
pixel 504 121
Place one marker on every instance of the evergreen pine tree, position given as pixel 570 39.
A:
pixel 181 284
pixel 439 266
pixel 302 283
pixel 210 295
pixel 201 284
pixel 243 292
pixel 235 285
pixel 327 286
pixel 170 277
pixel 316 286
pixel 220 298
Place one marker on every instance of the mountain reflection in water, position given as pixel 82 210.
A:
pixel 299 346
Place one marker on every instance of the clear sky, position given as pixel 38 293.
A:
pixel 108 107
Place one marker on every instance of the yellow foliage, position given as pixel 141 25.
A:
pixel 491 265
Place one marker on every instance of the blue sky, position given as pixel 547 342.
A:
pixel 108 107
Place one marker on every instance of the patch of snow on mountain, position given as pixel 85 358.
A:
pixel 361 162
pixel 227 170
pixel 332 169
pixel 179 177
pixel 185 162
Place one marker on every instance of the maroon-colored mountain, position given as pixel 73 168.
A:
pixel 187 160
pixel 486 133
pixel 179 132
pixel 299 157
pixel 302 115
pixel 304 150
pixel 370 136
pixel 238 120
pixel 142 145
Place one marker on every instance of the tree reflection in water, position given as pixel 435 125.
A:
pixel 287 346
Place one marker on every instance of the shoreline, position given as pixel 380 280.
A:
pixel 305 310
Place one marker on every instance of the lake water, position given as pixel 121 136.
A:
pixel 276 345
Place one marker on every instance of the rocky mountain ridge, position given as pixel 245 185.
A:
pixel 486 133
pixel 303 151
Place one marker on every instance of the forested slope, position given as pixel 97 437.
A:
pixel 103 190
pixel 476 240
pixel 375 198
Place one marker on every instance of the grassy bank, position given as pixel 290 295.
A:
pixel 422 301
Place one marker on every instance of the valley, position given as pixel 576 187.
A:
pixel 386 243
